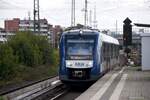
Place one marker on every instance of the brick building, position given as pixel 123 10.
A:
pixel 55 36
pixel 53 33
pixel 25 25
pixel 12 25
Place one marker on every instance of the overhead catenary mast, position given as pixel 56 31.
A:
pixel 36 13
pixel 85 16
pixel 90 18
pixel 73 13
pixel 29 16
pixel 95 20
pixel 116 27
pixel 29 19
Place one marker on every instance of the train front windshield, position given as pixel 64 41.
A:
pixel 80 49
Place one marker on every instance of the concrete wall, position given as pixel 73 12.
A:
pixel 145 37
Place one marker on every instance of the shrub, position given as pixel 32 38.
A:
pixel 26 49
pixel 8 62
pixel 23 52
pixel 32 50
pixel 54 57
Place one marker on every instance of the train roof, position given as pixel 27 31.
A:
pixel 82 31
pixel 109 39
pixel 105 38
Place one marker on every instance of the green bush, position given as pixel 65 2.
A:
pixel 44 48
pixel 1 98
pixel 27 50
pixel 32 50
pixel 25 46
pixel 8 62
pixel 54 57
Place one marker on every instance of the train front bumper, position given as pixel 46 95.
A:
pixel 65 78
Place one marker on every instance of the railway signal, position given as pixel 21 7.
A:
pixel 127 32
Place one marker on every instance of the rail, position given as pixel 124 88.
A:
pixel 32 90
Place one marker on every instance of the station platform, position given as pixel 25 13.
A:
pixel 126 83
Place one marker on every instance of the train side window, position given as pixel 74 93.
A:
pixel 101 52
pixel 110 50
pixel 107 50
pixel 117 51
pixel 104 51
pixel 113 51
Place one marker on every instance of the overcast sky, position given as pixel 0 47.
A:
pixel 58 12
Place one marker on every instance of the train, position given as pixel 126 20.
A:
pixel 86 55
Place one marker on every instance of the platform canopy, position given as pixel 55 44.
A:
pixel 142 25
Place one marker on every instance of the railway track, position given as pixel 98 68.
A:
pixel 41 90
pixel 55 93
pixel 49 89
pixel 72 93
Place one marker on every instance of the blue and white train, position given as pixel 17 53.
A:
pixel 86 54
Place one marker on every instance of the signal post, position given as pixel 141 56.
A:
pixel 127 36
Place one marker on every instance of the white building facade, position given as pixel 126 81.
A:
pixel 145 41
pixel 4 36
pixel 28 25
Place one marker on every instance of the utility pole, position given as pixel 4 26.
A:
pixel 73 13
pixel 36 13
pixel 85 16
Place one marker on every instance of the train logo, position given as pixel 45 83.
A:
pixel 80 64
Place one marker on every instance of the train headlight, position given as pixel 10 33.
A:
pixel 90 64
pixel 68 64
pixel 81 32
